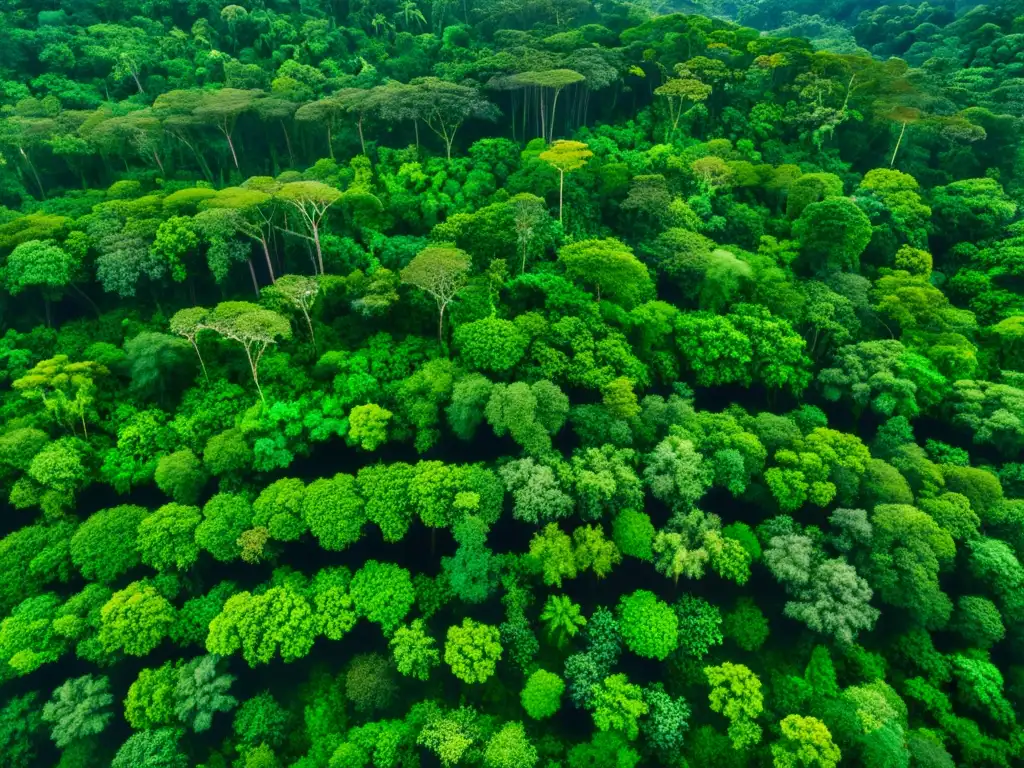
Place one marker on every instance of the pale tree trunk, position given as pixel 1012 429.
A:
pixel 231 144
pixel 898 141
pixel 561 184
pixel 316 242
pixel 266 255
pixel 288 143
pixel 252 273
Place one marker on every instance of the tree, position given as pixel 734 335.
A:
pixel 20 721
pixel 334 511
pixel 414 651
pixel 442 273
pixel 247 211
pixel 700 626
pixel 445 106
pixel 610 266
pixel 529 214
pixel 367 426
pixel 280 620
pixel 551 555
pixel 166 537
pixel 66 390
pixel 667 720
pixel 649 626
pixel 833 234
pixel 618 706
pixel 278 508
pixel 201 692
pixel 151 749
pixel 223 107
pixel 736 693
pixel 43 265
pixel 135 620
pixel 472 650
pixel 563 619
pixel 537 494
pixel 300 291
pixel 150 700
pixel 251 326
pixel 385 487
pixel 104 546
pixel 509 748
pixel 633 533
pixel 541 697
pixel 676 473
pixel 678 91
pixel 368 682
pixel 491 344
pixel 261 720
pixel 565 157
pixel 311 200
pixel 592 551
pixel 78 708
pixel 189 323
pixel 383 593
pixel 835 601
pixel 806 741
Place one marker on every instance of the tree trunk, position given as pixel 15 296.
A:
pixel 85 296
pixel 309 323
pixel 138 85
pixel 330 146
pixel 158 163
pixel 288 143
pixel 561 184
pixel 554 107
pixel 266 255
pixel 362 142
pixel 543 124
pixel 898 141
pixel 231 144
pixel 319 253
pixel 252 273
pixel 35 174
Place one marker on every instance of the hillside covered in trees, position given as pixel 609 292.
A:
pixel 511 384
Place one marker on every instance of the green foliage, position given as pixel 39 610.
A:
pixel 151 749
pixel 151 698
pixel 414 651
pixel 749 201
pixel 649 626
pixel 201 692
pixel 618 706
pixel 633 533
pixel 383 593
pixel 472 650
pixel 78 708
pixel 166 538
pixel 736 693
pixel 541 697
pixel 805 741
pixel 562 618
pixel 136 619
pixel 334 511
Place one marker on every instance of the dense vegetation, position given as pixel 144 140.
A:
pixel 511 383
